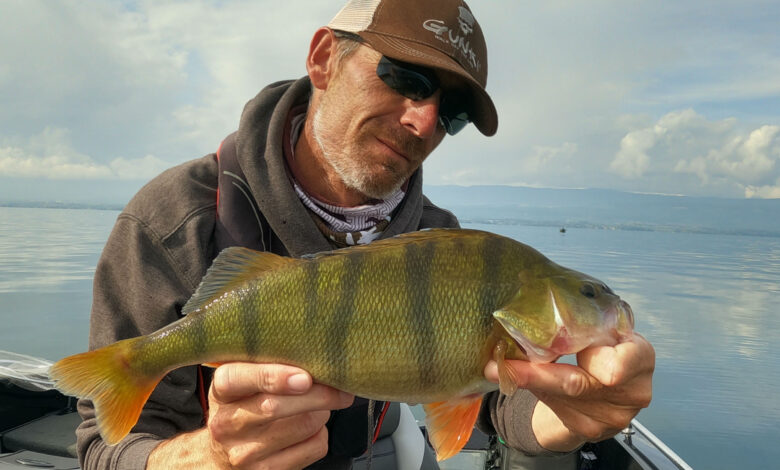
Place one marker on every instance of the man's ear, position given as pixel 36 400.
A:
pixel 320 63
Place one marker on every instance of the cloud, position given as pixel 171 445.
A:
pixel 146 77
pixel 50 155
pixel 134 80
pixel 716 154
pixel 763 192
pixel 545 157
pixel 632 160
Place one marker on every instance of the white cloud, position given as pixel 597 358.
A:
pixel 716 153
pixel 632 160
pixel 50 155
pixel 763 192
pixel 747 159
pixel 131 80
pixel 544 158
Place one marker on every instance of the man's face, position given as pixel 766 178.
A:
pixel 373 137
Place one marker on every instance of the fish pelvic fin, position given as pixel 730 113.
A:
pixel 232 268
pixel 450 424
pixel 106 376
pixel 507 376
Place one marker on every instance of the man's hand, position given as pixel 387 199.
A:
pixel 260 416
pixel 589 402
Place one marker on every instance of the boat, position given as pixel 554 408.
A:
pixel 37 431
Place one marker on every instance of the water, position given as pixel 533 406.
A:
pixel 707 302
pixel 708 305
pixel 47 260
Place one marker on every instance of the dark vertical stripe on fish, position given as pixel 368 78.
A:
pixel 310 304
pixel 418 261
pixel 198 336
pixel 249 326
pixel 339 327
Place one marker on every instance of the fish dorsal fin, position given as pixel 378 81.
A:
pixel 410 238
pixel 232 268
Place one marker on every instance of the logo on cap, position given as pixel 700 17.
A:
pixel 457 37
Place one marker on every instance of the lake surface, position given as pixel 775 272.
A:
pixel 707 302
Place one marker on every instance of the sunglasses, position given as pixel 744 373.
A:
pixel 418 83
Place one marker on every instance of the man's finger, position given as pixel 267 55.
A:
pixel 237 380
pixel 584 426
pixel 619 364
pixel 301 454
pixel 265 407
pixel 259 443
pixel 555 379
pixel 615 416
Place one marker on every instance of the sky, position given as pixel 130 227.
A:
pixel 671 97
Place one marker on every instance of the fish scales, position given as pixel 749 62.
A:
pixel 414 318
pixel 430 291
pixel 418 261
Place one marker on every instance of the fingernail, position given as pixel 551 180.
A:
pixel 298 383
pixel 347 398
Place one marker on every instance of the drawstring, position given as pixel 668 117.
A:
pixel 373 429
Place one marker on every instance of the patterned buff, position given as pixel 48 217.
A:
pixel 347 226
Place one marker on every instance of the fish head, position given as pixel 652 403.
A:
pixel 561 311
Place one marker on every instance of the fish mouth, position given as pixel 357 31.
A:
pixel 624 318
pixel 618 325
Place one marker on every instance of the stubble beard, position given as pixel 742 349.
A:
pixel 354 173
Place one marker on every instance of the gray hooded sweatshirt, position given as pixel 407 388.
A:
pixel 163 243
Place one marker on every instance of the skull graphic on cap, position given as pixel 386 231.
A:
pixel 466 20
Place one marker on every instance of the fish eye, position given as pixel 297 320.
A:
pixel 588 290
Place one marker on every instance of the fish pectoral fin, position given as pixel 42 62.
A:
pixel 450 423
pixel 233 267
pixel 507 380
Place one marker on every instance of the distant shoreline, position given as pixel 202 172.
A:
pixel 625 227
pixel 61 205
pixel 465 219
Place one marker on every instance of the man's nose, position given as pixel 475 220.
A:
pixel 421 117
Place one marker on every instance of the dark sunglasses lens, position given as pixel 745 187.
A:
pixel 452 115
pixel 418 83
pixel 404 80
pixel 454 124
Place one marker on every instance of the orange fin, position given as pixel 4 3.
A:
pixel 507 381
pixel 450 424
pixel 106 377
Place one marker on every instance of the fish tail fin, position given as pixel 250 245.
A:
pixel 107 377
pixel 450 424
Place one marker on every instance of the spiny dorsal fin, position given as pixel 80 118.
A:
pixel 233 267
pixel 420 236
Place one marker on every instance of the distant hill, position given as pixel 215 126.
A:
pixel 600 208
pixel 61 205
pixel 90 193
pixel 586 208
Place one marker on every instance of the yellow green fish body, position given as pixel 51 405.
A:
pixel 414 318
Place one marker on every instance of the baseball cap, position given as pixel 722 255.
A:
pixel 441 34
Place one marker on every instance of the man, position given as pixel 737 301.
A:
pixel 326 161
